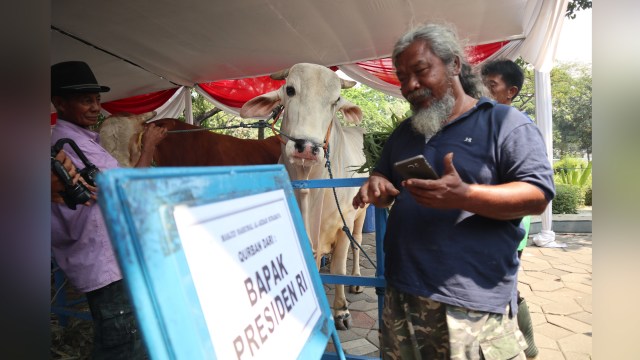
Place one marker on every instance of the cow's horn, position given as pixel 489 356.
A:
pixel 346 84
pixel 280 75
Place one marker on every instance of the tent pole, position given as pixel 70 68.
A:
pixel 544 120
pixel 188 107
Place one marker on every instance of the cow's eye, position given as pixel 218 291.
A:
pixel 291 91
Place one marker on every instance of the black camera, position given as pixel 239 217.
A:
pixel 78 193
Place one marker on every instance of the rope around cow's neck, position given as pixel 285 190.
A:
pixel 255 125
pixel 345 228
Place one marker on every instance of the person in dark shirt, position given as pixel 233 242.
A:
pixel 450 245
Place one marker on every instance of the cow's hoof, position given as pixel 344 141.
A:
pixel 343 321
pixel 356 289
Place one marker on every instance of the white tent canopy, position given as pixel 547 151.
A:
pixel 144 46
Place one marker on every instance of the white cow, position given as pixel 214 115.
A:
pixel 311 99
pixel 120 136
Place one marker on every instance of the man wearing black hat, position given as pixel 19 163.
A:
pixel 79 239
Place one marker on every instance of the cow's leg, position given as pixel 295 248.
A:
pixel 355 250
pixel 341 315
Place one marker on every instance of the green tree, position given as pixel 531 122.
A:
pixel 574 5
pixel 571 106
pixel 207 115
pixel 377 107
pixel 572 110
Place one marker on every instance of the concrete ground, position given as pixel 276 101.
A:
pixel 556 283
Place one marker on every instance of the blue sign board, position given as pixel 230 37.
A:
pixel 217 262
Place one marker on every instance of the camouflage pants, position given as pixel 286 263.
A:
pixel 415 327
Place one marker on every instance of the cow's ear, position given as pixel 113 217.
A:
pixel 260 106
pixel 352 113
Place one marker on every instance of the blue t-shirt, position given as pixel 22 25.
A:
pixel 452 256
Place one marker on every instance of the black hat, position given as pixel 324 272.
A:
pixel 74 77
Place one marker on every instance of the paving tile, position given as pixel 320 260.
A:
pixel 537 300
pixel 576 356
pixel 544 342
pixel 585 279
pixel 585 302
pixel 536 259
pixel 543 276
pixel 569 323
pixel 552 331
pixel 370 291
pixel 531 251
pixel 537 318
pixel 550 256
pixel 546 354
pixel 553 252
pixel 362 320
pixel 585 289
pixel 525 290
pixel 537 266
pixel 358 347
pixel 348 335
pixel 588 267
pixel 361 332
pixel 363 305
pixel 546 286
pixel 558 261
pixel 374 337
pixel 583 259
pixel 555 271
pixel 561 308
pixel 563 294
pixel 571 269
pixel 585 317
pixel 364 271
pixel 576 343
pixel 527 279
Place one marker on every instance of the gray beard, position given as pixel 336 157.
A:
pixel 430 120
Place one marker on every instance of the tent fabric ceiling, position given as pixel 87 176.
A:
pixel 138 47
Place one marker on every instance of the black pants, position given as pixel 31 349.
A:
pixel 116 334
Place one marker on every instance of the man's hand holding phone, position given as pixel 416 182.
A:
pixel 415 167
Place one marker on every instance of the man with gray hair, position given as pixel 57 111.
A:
pixel 450 245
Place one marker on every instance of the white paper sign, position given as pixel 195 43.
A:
pixel 250 276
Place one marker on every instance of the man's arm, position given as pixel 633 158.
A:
pixel 377 190
pixel 503 202
pixel 150 139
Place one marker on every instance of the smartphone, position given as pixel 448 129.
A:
pixel 415 167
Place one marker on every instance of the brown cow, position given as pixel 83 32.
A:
pixel 120 136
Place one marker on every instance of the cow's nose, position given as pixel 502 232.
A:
pixel 299 145
pixel 315 150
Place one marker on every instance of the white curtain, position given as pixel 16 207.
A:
pixel 175 106
pixel 542 32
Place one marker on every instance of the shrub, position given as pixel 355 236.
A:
pixel 374 142
pixel 572 171
pixel 568 198
pixel 588 193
